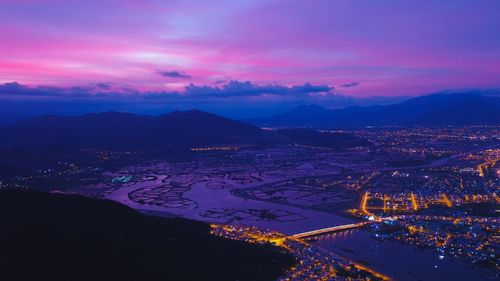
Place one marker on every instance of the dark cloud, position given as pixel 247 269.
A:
pixel 249 98
pixel 173 74
pixel 234 99
pixel 15 89
pixel 104 86
pixel 350 85
pixel 237 89
pixel 220 81
pixel 232 90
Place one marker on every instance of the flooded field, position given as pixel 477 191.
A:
pixel 195 198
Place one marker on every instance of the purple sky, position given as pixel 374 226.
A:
pixel 309 51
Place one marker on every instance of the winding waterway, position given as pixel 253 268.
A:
pixel 402 262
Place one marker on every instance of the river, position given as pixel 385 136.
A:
pixel 402 262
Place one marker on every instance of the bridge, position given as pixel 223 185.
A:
pixel 329 230
pixel 340 228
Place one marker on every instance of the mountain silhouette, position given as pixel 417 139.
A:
pixel 432 110
pixel 113 130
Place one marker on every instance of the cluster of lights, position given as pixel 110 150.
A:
pixel 312 263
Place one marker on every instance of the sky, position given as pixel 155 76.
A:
pixel 241 57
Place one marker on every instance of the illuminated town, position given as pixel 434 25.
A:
pixel 434 189
pixel 313 263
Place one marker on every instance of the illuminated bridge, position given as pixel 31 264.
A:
pixel 329 230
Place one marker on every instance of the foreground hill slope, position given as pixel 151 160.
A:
pixel 60 237
pixel 432 110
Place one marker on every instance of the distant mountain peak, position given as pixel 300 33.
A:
pixel 310 106
pixel 115 130
pixel 442 109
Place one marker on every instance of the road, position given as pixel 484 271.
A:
pixel 329 230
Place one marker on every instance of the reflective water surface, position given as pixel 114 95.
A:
pixel 402 262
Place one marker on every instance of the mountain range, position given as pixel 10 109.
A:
pixel 175 131
pixel 433 110
pixel 180 130
pixel 7 119
pixel 122 131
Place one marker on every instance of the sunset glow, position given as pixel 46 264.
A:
pixel 363 49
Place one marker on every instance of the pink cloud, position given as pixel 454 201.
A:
pixel 397 49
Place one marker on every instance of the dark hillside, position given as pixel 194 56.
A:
pixel 71 238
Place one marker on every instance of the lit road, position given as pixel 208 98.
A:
pixel 329 230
